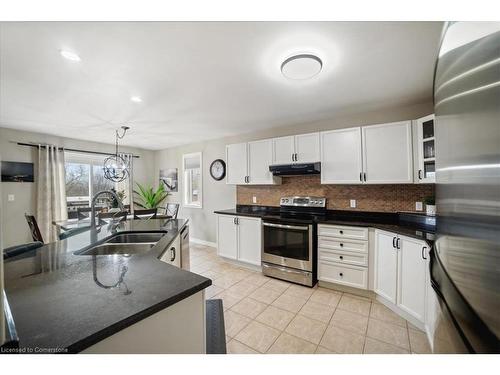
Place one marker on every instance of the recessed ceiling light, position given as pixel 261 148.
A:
pixel 136 99
pixel 70 55
pixel 302 66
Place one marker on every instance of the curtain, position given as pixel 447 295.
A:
pixel 51 191
pixel 127 185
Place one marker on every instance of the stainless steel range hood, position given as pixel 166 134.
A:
pixel 295 169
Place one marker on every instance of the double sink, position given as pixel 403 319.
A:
pixel 125 244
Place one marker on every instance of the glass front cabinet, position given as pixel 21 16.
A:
pixel 426 152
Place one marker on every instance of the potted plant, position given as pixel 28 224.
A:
pixel 149 198
pixel 430 205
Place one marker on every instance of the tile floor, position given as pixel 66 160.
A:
pixel 265 315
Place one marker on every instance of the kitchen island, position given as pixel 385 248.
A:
pixel 67 298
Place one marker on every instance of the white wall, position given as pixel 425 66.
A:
pixel 15 228
pixel 217 195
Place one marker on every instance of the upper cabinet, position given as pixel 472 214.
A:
pixel 341 160
pixel 302 148
pixel 248 163
pixel 425 163
pixel 387 153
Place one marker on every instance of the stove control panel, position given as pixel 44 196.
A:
pixel 303 202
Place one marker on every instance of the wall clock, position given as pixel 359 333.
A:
pixel 218 169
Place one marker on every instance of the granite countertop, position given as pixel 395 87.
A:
pixel 59 301
pixel 407 224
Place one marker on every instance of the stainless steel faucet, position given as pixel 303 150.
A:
pixel 94 199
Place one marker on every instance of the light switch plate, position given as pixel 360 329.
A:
pixel 11 197
pixel 254 199
pixel 353 203
pixel 418 206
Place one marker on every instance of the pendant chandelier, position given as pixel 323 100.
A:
pixel 116 168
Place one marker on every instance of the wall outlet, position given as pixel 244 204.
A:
pixel 254 199
pixel 11 197
pixel 419 206
pixel 353 203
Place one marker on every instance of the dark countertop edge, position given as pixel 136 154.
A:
pixel 118 326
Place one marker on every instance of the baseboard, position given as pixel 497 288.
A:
pixel 203 242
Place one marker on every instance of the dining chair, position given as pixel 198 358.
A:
pixel 145 214
pixel 172 209
pixel 35 230
pixel 115 216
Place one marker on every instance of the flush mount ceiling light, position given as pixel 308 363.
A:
pixel 302 66
pixel 136 99
pixel 70 55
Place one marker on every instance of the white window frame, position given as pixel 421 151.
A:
pixel 186 187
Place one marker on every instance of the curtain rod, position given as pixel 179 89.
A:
pixel 71 149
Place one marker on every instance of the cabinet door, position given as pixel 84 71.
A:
pixel 237 163
pixel 172 254
pixel 249 240
pixel 283 150
pixel 227 240
pixel 411 278
pixel 307 148
pixel 341 161
pixel 387 153
pixel 425 164
pixel 260 154
pixel 386 265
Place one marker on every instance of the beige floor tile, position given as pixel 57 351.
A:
pixel 350 321
pixel 243 287
pixel 234 322
pixel 380 312
pixel 307 329
pixel 225 281
pixel 411 326
pixel 257 279
pixel 277 285
pixel 299 291
pixel 326 297
pixel 199 268
pixel 276 318
pixel 288 344
pixel 388 333
pixel 236 347
pixel 228 299
pixel 211 274
pixel 258 336
pixel 418 342
pixel 264 294
pixel 322 350
pixel 373 346
pixel 288 302
pixel 318 311
pixel 342 341
pixel 212 290
pixel 357 296
pixel 249 307
pixel 354 304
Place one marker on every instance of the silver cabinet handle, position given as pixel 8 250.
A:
pixel 172 251
pixel 285 226
pixel 394 242
pixel 423 252
pixel 364 176
pixel 419 174
pixel 398 243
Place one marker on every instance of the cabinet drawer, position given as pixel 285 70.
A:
pixel 340 231
pixel 343 257
pixel 353 276
pixel 331 243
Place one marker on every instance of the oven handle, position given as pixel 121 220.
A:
pixel 285 226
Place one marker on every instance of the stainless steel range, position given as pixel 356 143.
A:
pixel 289 246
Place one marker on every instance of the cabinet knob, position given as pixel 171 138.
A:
pixel 341 274
pixel 341 257
pixel 341 245
pixel 341 232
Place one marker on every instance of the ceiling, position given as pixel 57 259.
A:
pixel 203 80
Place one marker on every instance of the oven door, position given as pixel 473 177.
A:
pixel 289 245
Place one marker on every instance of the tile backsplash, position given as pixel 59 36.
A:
pixel 382 198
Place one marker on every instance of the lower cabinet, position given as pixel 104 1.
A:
pixel 239 238
pixel 401 269
pixel 172 254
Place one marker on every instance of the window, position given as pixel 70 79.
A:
pixel 191 166
pixel 85 177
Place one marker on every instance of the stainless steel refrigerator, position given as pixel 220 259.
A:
pixel 465 262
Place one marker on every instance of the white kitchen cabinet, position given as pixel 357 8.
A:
pixel 301 148
pixel 172 254
pixel 239 238
pixel 260 155
pixel 387 153
pixel 227 236
pixel 341 158
pixel 237 163
pixel 425 163
pixel 249 240
pixel 386 265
